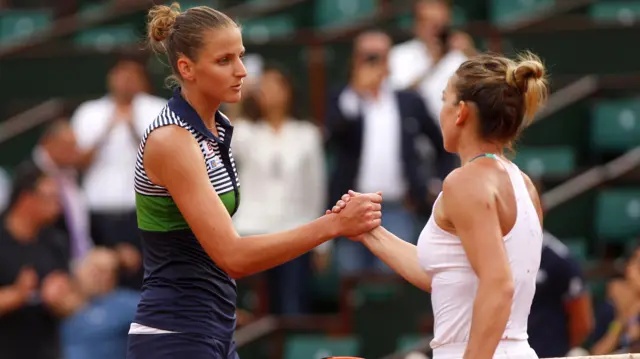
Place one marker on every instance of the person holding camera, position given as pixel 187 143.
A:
pixel 426 62
pixel 372 131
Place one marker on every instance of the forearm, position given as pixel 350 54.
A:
pixel 609 342
pixel 491 311
pixel 67 305
pixel 254 254
pixel 401 256
pixel 10 299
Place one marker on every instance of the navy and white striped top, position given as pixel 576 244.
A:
pixel 183 289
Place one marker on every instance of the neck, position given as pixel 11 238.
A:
pixel 22 227
pixel 276 119
pixel 205 108
pixel 472 149
pixel 434 49
pixel 122 100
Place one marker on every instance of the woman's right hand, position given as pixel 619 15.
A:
pixel 360 213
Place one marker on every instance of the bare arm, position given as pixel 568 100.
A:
pixel 11 298
pixel 173 159
pixel 401 256
pixel 581 323
pixel 472 210
pixel 15 296
pixel 609 342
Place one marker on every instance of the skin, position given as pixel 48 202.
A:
pixel 173 159
pixel 274 98
pixel 478 206
pixel 367 77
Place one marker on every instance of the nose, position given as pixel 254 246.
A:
pixel 240 70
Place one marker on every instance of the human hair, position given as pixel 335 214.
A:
pixel 250 105
pixel 177 33
pixel 26 178
pixel 54 128
pixel 506 93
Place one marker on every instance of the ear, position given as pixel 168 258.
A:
pixel 462 113
pixel 186 68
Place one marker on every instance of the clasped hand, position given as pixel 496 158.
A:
pixel 363 210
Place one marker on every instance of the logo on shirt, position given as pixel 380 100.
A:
pixel 209 149
pixel 214 163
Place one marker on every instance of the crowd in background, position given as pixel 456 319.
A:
pixel 70 255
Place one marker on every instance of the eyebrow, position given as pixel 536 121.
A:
pixel 231 53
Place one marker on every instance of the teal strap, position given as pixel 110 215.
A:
pixel 490 155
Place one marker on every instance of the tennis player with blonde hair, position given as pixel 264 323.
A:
pixel 479 253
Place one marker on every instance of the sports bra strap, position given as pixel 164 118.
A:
pixel 490 155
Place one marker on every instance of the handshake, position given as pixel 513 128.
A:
pixel 357 214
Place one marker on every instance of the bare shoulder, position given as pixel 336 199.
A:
pixel 170 153
pixel 469 183
pixel 169 141
pixel 477 175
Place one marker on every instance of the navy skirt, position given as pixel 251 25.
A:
pixel 179 346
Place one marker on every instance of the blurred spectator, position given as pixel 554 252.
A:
pixel 618 318
pixel 57 155
pixel 101 313
pixel 109 130
pixel 5 189
pixel 281 164
pixel 33 260
pixel 426 62
pixel 372 132
pixel 561 315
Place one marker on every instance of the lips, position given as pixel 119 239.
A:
pixel 237 87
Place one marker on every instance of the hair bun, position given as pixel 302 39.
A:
pixel 529 67
pixel 529 76
pixel 161 21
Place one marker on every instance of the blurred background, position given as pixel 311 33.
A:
pixel 325 109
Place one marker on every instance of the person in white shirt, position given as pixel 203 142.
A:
pixel 373 134
pixel 281 162
pixel 109 130
pixel 426 62
pixel 479 254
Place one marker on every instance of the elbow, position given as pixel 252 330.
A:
pixel 501 289
pixel 505 290
pixel 235 267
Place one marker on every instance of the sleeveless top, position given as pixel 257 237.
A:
pixel 183 289
pixel 454 282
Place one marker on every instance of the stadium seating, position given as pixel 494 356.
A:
pixel 577 247
pixel 618 214
pixel 507 11
pixel 615 124
pixel 329 13
pixel 546 161
pixel 16 25
pixel 318 347
pixel 264 29
pixel 623 11
pixel 108 37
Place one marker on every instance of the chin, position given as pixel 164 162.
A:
pixel 233 97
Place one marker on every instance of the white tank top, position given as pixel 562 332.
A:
pixel 454 283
